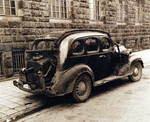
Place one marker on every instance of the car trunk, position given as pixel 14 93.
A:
pixel 39 64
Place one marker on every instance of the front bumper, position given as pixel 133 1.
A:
pixel 49 92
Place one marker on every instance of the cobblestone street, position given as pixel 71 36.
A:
pixel 117 101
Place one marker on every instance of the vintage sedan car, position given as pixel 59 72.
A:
pixel 74 62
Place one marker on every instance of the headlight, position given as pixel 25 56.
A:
pixel 39 72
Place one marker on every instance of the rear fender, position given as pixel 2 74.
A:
pixel 65 83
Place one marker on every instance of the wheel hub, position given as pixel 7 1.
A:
pixel 81 88
pixel 135 71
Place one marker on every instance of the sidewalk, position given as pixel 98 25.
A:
pixel 15 103
pixel 145 55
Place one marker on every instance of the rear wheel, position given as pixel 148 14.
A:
pixel 136 69
pixel 82 88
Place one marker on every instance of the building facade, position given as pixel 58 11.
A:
pixel 21 21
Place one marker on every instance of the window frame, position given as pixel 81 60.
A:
pixel 121 12
pixel 139 17
pixel 9 7
pixel 97 5
pixel 3 7
pixel 98 45
pixel 78 53
pixel 108 41
pixel 59 11
pixel 13 7
pixel 94 14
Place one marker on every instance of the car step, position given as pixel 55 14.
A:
pixel 110 78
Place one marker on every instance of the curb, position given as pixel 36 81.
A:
pixel 23 113
pixel 2 79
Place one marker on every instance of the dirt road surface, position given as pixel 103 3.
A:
pixel 117 101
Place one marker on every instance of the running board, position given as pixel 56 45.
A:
pixel 110 78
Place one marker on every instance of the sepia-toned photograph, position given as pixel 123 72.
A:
pixel 74 60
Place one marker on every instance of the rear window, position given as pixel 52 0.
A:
pixel 77 47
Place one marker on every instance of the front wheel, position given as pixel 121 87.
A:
pixel 82 88
pixel 136 69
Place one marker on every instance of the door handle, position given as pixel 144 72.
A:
pixel 102 56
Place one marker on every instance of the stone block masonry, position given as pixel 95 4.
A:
pixel 36 17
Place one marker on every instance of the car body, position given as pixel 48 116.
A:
pixel 74 62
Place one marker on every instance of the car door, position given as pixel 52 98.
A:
pixel 106 57
pixel 99 56
pixel 76 54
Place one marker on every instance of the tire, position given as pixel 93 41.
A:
pixel 82 88
pixel 136 68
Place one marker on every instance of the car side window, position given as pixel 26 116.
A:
pixel 91 45
pixel 105 44
pixel 77 47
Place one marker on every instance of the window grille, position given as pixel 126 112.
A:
pixel 7 7
pixel 18 58
pixel 58 9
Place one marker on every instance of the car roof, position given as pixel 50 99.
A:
pixel 58 36
pixel 51 35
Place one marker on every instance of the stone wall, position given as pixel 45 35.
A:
pixel 131 35
pixel 33 19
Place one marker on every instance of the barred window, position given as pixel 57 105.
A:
pixel 58 9
pixel 121 11
pixel 7 7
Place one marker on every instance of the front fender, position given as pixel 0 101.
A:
pixel 65 83
pixel 134 59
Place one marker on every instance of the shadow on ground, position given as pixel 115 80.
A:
pixel 67 100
